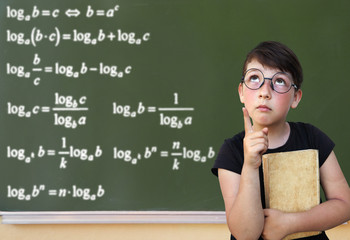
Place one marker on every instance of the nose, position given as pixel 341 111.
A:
pixel 265 89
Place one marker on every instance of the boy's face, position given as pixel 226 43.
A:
pixel 265 106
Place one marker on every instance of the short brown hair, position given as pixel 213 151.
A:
pixel 277 55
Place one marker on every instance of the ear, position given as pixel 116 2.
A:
pixel 240 92
pixel 297 97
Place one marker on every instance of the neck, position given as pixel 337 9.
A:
pixel 278 134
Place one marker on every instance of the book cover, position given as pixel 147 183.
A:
pixel 291 182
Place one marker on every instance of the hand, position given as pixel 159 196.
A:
pixel 255 143
pixel 276 225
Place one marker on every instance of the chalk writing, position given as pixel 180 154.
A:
pixel 23 194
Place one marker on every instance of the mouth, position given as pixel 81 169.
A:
pixel 263 108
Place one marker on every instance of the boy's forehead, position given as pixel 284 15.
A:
pixel 255 63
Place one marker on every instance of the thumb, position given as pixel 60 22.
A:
pixel 265 130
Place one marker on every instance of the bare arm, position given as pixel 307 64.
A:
pixel 241 193
pixel 333 212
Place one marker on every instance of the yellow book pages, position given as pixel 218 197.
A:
pixel 291 181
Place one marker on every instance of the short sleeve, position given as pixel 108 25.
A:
pixel 321 142
pixel 230 156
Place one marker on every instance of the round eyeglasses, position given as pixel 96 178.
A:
pixel 281 82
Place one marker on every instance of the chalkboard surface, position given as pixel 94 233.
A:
pixel 123 105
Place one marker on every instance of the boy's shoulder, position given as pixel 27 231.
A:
pixel 236 139
pixel 304 128
pixel 301 124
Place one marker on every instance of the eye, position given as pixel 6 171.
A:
pixel 280 82
pixel 254 79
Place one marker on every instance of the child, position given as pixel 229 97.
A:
pixel 270 86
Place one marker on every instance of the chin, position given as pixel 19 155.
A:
pixel 263 122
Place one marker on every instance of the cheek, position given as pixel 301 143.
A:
pixel 249 100
pixel 249 96
pixel 282 103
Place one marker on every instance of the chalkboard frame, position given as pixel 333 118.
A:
pixel 114 217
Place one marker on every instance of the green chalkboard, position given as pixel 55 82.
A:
pixel 123 105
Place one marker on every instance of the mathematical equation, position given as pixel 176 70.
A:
pixel 173 121
pixel 69 71
pixel 21 15
pixel 164 120
pixel 177 153
pixel 55 37
pixel 36 191
pixel 63 104
pixel 127 155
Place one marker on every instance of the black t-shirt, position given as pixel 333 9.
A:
pixel 302 136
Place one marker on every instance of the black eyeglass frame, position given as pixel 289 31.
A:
pixel 271 84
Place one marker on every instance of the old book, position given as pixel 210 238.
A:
pixel 291 181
